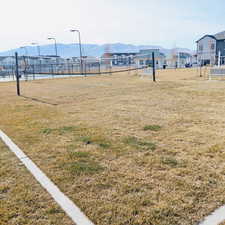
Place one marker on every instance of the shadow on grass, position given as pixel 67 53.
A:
pixel 39 100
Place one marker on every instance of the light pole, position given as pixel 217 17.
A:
pixel 56 51
pixel 26 62
pixel 38 48
pixel 39 53
pixel 81 60
pixel 26 54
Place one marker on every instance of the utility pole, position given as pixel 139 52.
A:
pixel 80 47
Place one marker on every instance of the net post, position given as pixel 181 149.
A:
pixel 99 68
pixel 153 66
pixel 17 75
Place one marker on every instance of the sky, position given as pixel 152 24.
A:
pixel 167 23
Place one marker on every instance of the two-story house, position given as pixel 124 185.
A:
pixel 211 49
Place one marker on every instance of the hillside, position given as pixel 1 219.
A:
pixel 70 50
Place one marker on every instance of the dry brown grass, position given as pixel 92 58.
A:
pixel 22 200
pixel 88 135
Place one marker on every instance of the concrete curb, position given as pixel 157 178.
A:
pixel 215 218
pixel 63 201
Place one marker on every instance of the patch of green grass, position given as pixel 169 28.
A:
pixel 170 161
pixel 60 130
pixel 85 167
pixel 47 131
pixel 53 211
pixel 100 141
pixel 148 145
pixel 130 141
pixel 66 129
pixel 152 127
pixel 86 139
pixel 104 145
pixel 80 154
pixel 135 142
pixel 131 189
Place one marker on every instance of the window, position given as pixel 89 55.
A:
pixel 141 62
pixel 212 46
pixel 200 48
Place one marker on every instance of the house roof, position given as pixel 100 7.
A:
pixel 218 36
pixel 144 55
pixel 207 35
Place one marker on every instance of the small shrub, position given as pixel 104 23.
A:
pixel 152 127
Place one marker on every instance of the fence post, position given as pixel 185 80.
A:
pixel 99 68
pixel 17 75
pixel 33 72
pixel 153 65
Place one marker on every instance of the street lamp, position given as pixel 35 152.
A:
pixel 56 51
pixel 81 60
pixel 38 48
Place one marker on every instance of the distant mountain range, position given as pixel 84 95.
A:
pixel 71 50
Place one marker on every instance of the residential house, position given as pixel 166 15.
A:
pixel 144 58
pixel 179 60
pixel 211 49
pixel 119 58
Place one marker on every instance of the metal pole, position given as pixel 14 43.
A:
pixel 56 50
pixel 153 65
pixel 33 72
pixel 81 57
pixel 17 75
pixel 219 59
pixel 80 47
pixel 39 50
pixel 99 68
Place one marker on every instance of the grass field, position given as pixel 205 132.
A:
pixel 126 150
pixel 22 200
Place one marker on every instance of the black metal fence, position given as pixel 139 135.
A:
pixel 38 69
